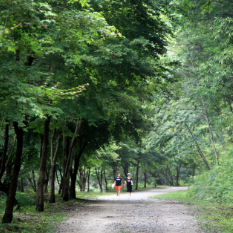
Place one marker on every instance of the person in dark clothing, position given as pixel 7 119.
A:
pixel 129 183
pixel 118 183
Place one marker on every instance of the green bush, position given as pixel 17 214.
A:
pixel 215 185
pixel 23 200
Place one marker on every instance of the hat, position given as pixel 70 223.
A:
pixel 128 174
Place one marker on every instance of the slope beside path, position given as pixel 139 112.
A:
pixel 135 213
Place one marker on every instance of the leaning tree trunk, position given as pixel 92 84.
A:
pixel 40 183
pixel 198 148
pixel 53 166
pixel 206 116
pixel 75 171
pixel 68 167
pixel 7 218
pixel 210 131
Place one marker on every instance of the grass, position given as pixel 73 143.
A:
pixel 212 217
pixel 180 196
pixel 26 219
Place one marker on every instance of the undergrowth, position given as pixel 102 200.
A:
pixel 26 219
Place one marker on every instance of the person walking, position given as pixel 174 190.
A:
pixel 118 183
pixel 129 183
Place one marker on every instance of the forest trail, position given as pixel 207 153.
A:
pixel 135 213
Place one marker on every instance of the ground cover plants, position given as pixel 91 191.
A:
pixel 26 219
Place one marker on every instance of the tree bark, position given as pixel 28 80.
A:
pixel 53 166
pixel 145 178
pixel 165 175
pixel 106 181
pixel 137 173
pixel 22 186
pixel 46 181
pixel 99 178
pixel 4 153
pixel 88 180
pixel 178 175
pixel 40 183
pixel 75 171
pixel 69 162
pixel 7 218
pixel 114 170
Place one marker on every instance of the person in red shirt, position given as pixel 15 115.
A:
pixel 118 183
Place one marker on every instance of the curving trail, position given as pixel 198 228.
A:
pixel 135 213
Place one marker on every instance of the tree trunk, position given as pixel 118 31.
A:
pixel 165 175
pixel 75 171
pixel 101 180
pixel 145 178
pixel 46 181
pixel 198 148
pixel 88 180
pixel 178 175
pixel 114 170
pixel 53 166
pixel 171 181
pixel 8 168
pixel 98 176
pixel 5 147
pixel 73 186
pixel 7 218
pixel 22 186
pixel 125 168
pixel 210 131
pixel 68 168
pixel 106 181
pixel 63 163
pixel 137 173
pixel 40 183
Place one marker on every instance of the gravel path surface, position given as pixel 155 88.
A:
pixel 135 213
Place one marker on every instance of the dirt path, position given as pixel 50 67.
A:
pixel 136 213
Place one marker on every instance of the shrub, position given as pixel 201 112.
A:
pixel 24 200
pixel 215 185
